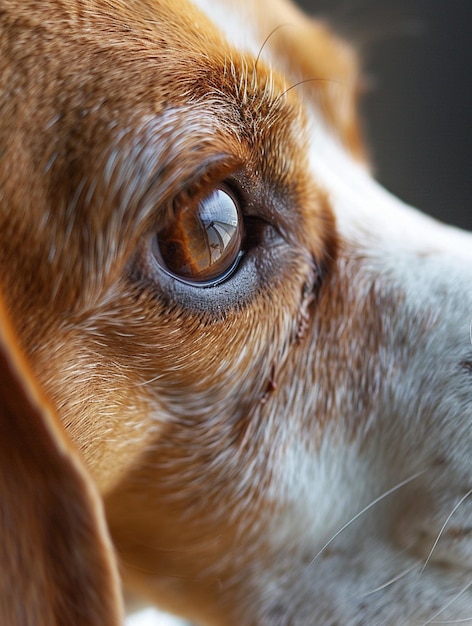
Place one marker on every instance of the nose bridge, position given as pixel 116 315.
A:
pixel 425 268
pixel 368 214
pixel 420 234
pixel 429 262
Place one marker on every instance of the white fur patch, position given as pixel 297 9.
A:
pixel 356 539
pixel 152 617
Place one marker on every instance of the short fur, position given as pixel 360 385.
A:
pixel 289 446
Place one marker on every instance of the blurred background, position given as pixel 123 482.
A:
pixel 418 110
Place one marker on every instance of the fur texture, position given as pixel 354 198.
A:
pixel 289 446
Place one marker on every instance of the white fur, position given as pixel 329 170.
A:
pixel 372 571
pixel 362 516
pixel 152 617
pixel 233 20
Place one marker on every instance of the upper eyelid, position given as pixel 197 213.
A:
pixel 200 186
pixel 149 171
pixel 152 162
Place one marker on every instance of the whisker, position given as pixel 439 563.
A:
pixel 391 581
pixel 303 82
pixel 277 28
pixel 387 493
pixel 456 597
pixel 462 620
pixel 458 504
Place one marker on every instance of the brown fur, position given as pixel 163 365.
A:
pixel 57 562
pixel 166 401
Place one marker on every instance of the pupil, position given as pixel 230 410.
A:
pixel 203 241
pixel 219 218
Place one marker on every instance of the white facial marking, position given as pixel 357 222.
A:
pixel 377 529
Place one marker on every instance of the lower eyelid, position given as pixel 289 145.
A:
pixel 263 259
pixel 209 283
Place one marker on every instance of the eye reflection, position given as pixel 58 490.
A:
pixel 203 242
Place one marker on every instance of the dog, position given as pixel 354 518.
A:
pixel 236 374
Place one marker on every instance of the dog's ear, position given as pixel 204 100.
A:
pixel 56 562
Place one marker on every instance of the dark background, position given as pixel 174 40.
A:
pixel 418 110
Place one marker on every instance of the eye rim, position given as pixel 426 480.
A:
pixel 227 188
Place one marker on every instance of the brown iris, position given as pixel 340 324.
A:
pixel 203 242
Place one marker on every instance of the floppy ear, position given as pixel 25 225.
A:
pixel 57 566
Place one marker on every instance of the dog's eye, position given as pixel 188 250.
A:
pixel 202 244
